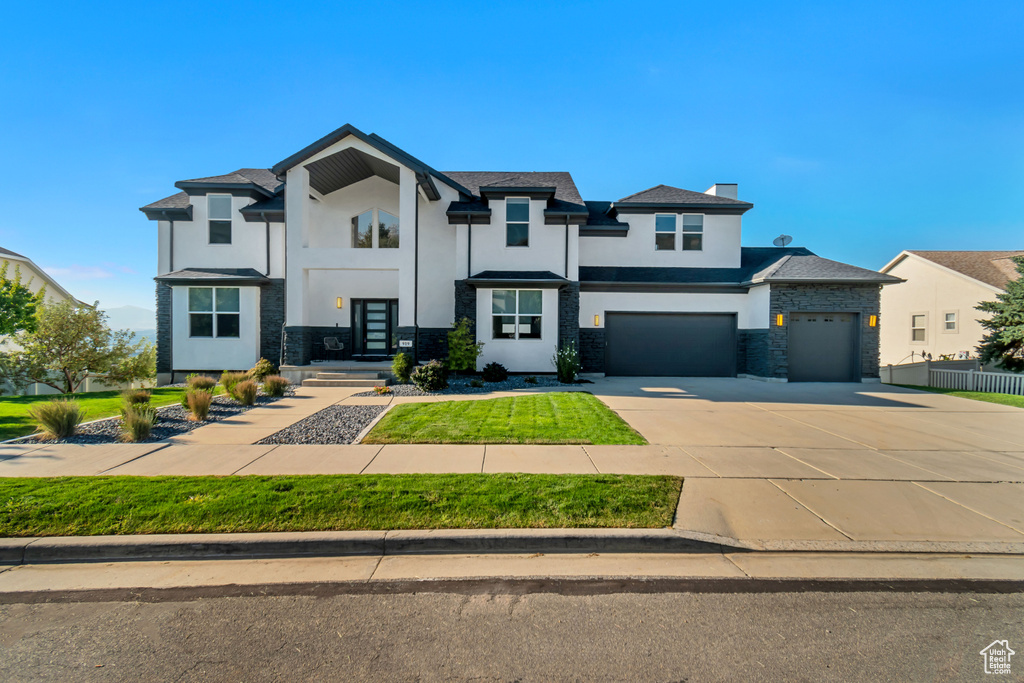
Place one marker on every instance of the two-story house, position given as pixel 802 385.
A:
pixel 353 239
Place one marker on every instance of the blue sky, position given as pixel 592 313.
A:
pixel 860 130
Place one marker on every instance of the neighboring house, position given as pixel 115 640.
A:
pixel 34 277
pixel 933 311
pixel 355 239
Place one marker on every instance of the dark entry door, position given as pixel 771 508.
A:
pixel 824 347
pixel 374 327
pixel 671 344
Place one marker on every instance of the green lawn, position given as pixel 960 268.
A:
pixel 15 422
pixel 82 506
pixel 557 417
pixel 1002 399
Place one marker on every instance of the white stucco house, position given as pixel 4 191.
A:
pixel 355 240
pixel 933 312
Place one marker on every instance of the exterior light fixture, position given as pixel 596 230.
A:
pixel 873 321
pixel 779 320
pixel 597 320
pixel 340 301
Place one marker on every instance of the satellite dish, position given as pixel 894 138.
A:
pixel 782 240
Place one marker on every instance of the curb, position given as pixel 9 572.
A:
pixel 71 549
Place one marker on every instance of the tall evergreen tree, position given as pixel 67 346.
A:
pixel 1004 341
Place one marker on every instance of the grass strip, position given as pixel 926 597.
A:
pixel 84 506
pixel 15 422
pixel 548 418
pixel 1001 399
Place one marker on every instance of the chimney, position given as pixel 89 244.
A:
pixel 727 190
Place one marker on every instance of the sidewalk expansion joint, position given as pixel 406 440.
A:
pixel 805 507
pixel 160 446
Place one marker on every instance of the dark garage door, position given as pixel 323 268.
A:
pixel 824 347
pixel 671 344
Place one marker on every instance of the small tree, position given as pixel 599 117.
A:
pixel 1004 342
pixel 72 343
pixel 463 349
pixel 18 304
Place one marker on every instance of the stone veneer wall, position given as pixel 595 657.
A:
pixel 752 353
pixel 465 303
pixel 164 362
pixel 569 314
pixel 433 343
pixel 592 349
pixel 271 320
pixel 824 298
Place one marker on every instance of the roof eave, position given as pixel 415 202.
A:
pixel 647 207
pixel 187 185
pixel 184 214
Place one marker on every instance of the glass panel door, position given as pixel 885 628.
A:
pixel 377 328
pixel 374 327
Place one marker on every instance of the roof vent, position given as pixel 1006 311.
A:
pixel 727 190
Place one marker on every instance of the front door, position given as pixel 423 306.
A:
pixel 374 327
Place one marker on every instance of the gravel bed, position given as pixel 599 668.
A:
pixel 462 386
pixel 172 420
pixel 332 425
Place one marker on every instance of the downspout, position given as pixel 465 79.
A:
pixel 263 215
pixel 170 255
pixel 416 283
pixel 566 246
pixel 469 250
pixel 284 276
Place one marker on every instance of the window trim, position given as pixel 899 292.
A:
pixel 517 315
pixel 527 224
pixel 923 328
pixel 229 220
pixel 213 312
pixel 683 232
pixel 674 233
pixel 956 321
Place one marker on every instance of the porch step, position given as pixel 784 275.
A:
pixel 344 382
pixel 348 375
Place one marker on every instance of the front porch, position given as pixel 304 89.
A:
pixel 296 374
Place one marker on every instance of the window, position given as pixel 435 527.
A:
pixel 949 321
pixel 918 324
pixel 363 233
pixel 213 312
pixel 219 209
pixel 516 314
pixel 664 233
pixel 693 232
pixel 517 222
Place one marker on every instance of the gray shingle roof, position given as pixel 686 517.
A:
pixel 757 264
pixel 532 275
pixel 243 176
pixel 8 252
pixel 598 216
pixel 175 201
pixel 666 194
pixel 994 268
pixel 565 188
pixel 214 274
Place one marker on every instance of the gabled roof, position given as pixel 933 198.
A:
pixel 561 181
pixel 47 278
pixel 994 268
pixel 175 201
pixel 8 252
pixel 259 180
pixel 671 197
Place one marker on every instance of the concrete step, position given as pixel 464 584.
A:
pixel 344 382
pixel 348 375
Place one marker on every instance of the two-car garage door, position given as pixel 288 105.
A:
pixel 670 344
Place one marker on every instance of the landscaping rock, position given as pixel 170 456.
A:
pixel 332 425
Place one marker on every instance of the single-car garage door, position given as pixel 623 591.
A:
pixel 824 347
pixel 671 344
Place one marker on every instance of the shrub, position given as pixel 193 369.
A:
pixel 382 390
pixel 567 363
pixel 495 372
pixel 275 385
pixel 203 382
pixel 261 370
pixel 57 419
pixel 530 380
pixel 245 392
pixel 463 349
pixel 198 402
pixel 430 376
pixel 401 367
pixel 476 384
pixel 137 422
pixel 228 380
pixel 133 397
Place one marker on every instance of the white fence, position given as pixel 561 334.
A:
pixel 973 380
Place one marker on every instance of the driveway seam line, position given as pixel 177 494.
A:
pixel 965 506
pixel 809 509
pixel 821 429
pixel 710 468
pixel 778 449
pixel 733 563
pixel 137 457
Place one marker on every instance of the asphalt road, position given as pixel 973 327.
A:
pixel 501 637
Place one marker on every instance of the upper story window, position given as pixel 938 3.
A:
pixel 949 321
pixel 365 237
pixel 516 314
pixel 918 327
pixel 517 222
pixel 665 232
pixel 219 213
pixel 693 232
pixel 213 312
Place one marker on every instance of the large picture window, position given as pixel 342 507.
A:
pixel 517 222
pixel 219 209
pixel 213 312
pixel 516 314
pixel 365 237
